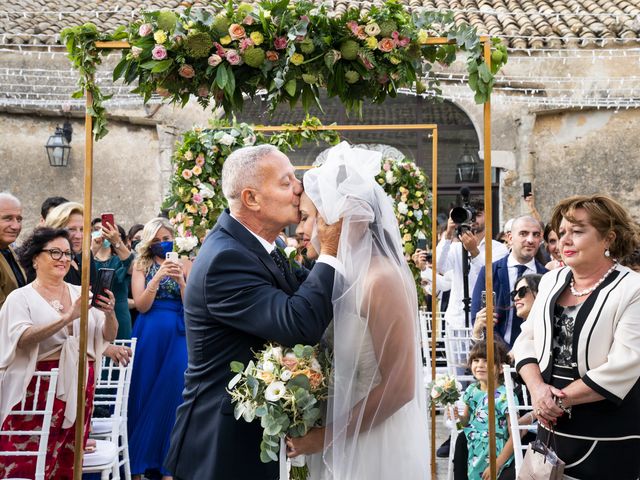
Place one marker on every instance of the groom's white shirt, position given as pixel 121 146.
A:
pixel 268 246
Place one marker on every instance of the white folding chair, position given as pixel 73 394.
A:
pixel 515 412
pixel 457 343
pixel 426 333
pixel 29 407
pixel 110 433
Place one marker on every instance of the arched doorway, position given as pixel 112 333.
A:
pixel 458 142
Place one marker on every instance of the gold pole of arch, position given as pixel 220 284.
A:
pixel 86 242
pixel 434 292
pixel 488 250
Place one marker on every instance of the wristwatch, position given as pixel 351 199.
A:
pixel 117 245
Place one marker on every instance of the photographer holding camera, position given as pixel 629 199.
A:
pixel 464 258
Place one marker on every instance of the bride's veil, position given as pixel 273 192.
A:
pixel 376 418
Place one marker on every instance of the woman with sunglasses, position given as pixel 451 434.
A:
pixel 522 298
pixel 39 330
pixel 579 350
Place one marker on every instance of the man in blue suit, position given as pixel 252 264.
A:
pixel 525 236
pixel 240 294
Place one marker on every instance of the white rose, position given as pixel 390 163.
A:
pixel 403 208
pixel 268 366
pixel 286 375
pixel 288 251
pixel 206 192
pixel 389 177
pixel 417 214
pixel 275 391
pixel 277 354
pixel 250 140
pixel 227 139
pixel 186 244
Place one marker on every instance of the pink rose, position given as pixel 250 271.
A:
pixel 219 49
pixel 214 60
pixel 204 210
pixel 290 361
pixel 233 57
pixel 353 26
pixel 245 43
pixel 145 29
pixel 236 32
pixel 200 159
pixel 386 45
pixel 365 61
pixel 186 71
pixel 280 43
pixel 197 198
pixel 400 41
pixel 386 167
pixel 187 174
pixel 272 56
pixel 178 39
pixel 248 20
pixel 159 52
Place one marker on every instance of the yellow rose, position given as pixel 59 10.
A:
pixel 418 193
pixel 160 36
pixel 423 36
pixel 371 43
pixel 381 181
pixel 406 237
pixel 297 59
pixel 226 40
pixel 257 38
pixel 409 213
pixel 395 60
pixel 194 190
pixel 197 170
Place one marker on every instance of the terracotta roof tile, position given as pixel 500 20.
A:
pixel 524 23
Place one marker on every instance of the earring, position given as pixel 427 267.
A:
pixel 607 253
pixel 35 266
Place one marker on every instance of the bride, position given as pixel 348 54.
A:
pixel 376 423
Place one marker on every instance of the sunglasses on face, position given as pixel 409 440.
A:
pixel 57 254
pixel 520 292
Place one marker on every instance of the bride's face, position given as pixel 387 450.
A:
pixel 304 230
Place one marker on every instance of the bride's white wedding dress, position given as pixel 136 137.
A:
pixel 376 418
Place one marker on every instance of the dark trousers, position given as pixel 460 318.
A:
pixel 461 459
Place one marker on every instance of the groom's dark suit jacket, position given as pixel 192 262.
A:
pixel 236 299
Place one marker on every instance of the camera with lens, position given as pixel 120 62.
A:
pixel 465 215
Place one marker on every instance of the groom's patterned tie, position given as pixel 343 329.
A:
pixel 278 258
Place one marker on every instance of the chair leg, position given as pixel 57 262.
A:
pixel 452 449
pixel 125 454
pixel 104 474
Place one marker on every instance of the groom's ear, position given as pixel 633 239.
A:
pixel 249 198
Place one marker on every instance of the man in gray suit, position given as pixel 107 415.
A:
pixel 240 294
pixel 12 275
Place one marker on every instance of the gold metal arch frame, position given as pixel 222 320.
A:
pixel 86 246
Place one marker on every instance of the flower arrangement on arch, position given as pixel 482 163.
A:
pixel 406 183
pixel 285 388
pixel 291 50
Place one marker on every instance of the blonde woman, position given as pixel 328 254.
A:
pixel 69 216
pixel 161 355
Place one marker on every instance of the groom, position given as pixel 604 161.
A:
pixel 240 294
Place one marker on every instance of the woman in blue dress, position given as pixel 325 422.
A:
pixel 161 352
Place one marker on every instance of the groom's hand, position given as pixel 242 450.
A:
pixel 329 236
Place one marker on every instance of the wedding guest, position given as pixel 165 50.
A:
pixel 161 352
pixel 12 275
pixel 632 261
pixel 109 251
pixel 39 330
pixel 551 245
pixel 579 351
pixel 49 204
pixel 69 216
pixel 134 235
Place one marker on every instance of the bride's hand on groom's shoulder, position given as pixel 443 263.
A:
pixel 312 442
pixel 329 236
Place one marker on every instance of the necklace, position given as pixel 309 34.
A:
pixel 55 303
pixel 582 293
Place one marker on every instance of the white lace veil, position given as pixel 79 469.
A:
pixel 377 423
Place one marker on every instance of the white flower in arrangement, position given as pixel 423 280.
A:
pixel 276 352
pixel 315 365
pixel 390 178
pixel 403 208
pixel 250 140
pixel 268 366
pixel 275 391
pixel 417 214
pixel 186 244
pixel 286 375
pixel 227 139
pixel 206 191
pixel 288 251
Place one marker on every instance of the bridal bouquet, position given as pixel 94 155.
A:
pixel 284 388
pixel 444 390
